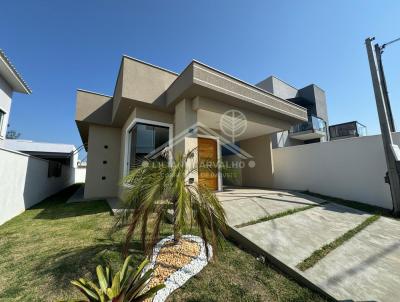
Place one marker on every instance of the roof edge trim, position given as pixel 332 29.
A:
pixel 151 65
pixel 92 92
pixel 248 84
pixel 15 73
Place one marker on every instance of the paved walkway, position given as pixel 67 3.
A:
pixel 113 202
pixel 78 195
pixel 244 205
pixel 365 268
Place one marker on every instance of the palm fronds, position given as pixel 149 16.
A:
pixel 155 188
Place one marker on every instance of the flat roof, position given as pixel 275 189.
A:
pixel 31 146
pixel 11 75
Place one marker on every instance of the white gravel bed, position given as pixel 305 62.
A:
pixel 181 276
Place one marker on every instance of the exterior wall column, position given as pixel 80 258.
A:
pixel 259 170
pixel 185 141
pixel 102 173
pixel 185 117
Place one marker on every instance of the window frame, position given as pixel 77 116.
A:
pixel 128 140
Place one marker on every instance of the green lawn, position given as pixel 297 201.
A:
pixel 54 242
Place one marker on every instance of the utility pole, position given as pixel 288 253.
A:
pixel 378 53
pixel 392 151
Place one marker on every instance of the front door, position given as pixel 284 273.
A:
pixel 208 162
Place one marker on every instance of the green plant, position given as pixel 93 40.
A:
pixel 155 190
pixel 125 286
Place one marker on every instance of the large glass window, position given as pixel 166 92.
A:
pixel 144 140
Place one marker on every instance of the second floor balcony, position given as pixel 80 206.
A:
pixel 313 129
pixel 347 130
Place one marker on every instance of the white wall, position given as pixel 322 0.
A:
pixel 5 106
pixel 80 174
pixel 24 182
pixel 351 169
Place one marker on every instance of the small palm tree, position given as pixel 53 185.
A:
pixel 156 188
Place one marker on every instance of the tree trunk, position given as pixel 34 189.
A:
pixel 177 231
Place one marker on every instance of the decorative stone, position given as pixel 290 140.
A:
pixel 183 274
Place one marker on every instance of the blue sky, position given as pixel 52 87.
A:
pixel 59 46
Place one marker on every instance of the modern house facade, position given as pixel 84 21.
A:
pixel 152 108
pixel 10 82
pixel 311 97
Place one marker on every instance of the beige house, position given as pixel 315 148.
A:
pixel 222 117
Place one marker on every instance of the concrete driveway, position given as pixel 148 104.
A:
pixel 365 268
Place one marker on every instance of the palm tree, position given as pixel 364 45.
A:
pixel 155 189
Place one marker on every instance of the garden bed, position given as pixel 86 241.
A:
pixel 175 263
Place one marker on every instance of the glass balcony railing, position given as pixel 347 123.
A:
pixel 314 123
pixel 345 130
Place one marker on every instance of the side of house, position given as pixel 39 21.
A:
pixel 5 107
pixel 29 171
pixel 26 180
pixel 10 82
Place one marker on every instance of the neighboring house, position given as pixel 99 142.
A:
pixel 347 130
pixel 310 97
pixel 152 106
pixel 10 81
pixel 29 171
pixel 60 153
pixel 25 180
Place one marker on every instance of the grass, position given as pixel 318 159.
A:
pixel 278 215
pixel 44 248
pixel 326 249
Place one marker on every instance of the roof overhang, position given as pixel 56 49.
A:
pixel 201 80
pixel 92 108
pixel 11 75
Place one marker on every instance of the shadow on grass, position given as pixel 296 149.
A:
pixel 55 206
pixel 72 264
pixel 58 198
pixel 73 210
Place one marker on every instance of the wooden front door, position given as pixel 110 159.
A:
pixel 208 162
